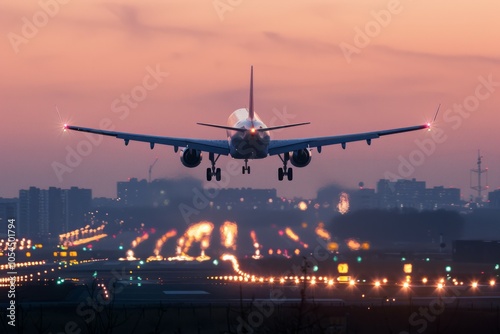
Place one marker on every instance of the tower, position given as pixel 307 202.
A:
pixel 479 171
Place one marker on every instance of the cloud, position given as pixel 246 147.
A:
pixel 436 57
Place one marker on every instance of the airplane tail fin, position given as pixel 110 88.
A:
pixel 251 113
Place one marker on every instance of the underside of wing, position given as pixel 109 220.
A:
pixel 205 145
pixel 288 145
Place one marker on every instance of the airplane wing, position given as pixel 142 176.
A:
pixel 289 145
pixel 205 145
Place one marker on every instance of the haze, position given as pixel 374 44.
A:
pixel 90 53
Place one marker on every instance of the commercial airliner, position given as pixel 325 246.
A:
pixel 248 138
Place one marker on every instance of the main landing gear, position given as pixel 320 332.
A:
pixel 212 171
pixel 285 170
pixel 245 168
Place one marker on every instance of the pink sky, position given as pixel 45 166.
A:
pixel 89 53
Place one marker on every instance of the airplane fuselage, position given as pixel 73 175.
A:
pixel 249 144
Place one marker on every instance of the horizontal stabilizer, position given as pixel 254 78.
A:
pixel 223 127
pixel 282 126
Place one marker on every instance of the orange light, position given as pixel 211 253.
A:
pixel 474 284
pixel 252 130
pixel 492 282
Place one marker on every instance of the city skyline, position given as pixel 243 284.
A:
pixel 207 185
pixel 161 68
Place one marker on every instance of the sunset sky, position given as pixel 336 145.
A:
pixel 403 59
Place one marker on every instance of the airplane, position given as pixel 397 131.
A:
pixel 249 138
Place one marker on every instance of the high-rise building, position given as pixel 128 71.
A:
pixel 78 205
pixel 29 212
pixel 134 192
pixel 8 210
pixel 46 213
pixel 442 198
pixel 414 194
pixel 494 199
pixel 401 194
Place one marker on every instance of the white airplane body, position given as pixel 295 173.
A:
pixel 249 138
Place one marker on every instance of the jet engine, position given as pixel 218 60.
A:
pixel 190 157
pixel 301 158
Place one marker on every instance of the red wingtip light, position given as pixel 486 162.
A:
pixel 65 127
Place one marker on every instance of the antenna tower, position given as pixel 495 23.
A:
pixel 479 171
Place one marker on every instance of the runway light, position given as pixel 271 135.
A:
pixel 406 285
pixel 474 284
pixel 352 282
pixel 377 283
pixel 492 282
pixel 424 280
pixel 440 286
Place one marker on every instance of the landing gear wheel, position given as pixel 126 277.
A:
pixel 211 172
pixel 246 168
pixel 285 170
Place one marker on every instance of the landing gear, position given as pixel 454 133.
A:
pixel 245 168
pixel 212 171
pixel 285 170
